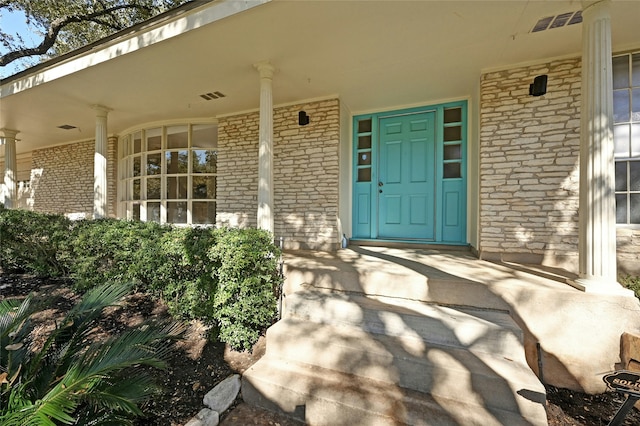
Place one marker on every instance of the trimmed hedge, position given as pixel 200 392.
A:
pixel 227 278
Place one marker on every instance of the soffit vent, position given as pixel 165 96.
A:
pixel 557 21
pixel 215 95
pixel 67 127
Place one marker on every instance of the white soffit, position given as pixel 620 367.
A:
pixel 194 19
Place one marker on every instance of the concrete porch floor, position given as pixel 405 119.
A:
pixel 571 338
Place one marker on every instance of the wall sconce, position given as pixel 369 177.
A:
pixel 303 118
pixel 539 86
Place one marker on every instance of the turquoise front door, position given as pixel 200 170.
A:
pixel 406 176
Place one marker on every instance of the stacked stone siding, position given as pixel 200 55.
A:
pixel 62 178
pixel 306 173
pixel 529 176
pixel 529 151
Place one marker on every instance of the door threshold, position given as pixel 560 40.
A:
pixel 398 243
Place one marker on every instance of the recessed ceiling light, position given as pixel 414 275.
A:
pixel 67 127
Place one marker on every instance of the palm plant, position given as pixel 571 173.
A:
pixel 70 379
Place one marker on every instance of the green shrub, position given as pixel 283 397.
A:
pixel 185 279
pixel 67 379
pixel 113 250
pixel 35 243
pixel 248 281
pixel 632 283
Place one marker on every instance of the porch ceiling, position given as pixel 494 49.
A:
pixel 373 54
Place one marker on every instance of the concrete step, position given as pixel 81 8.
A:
pixel 479 330
pixel 410 363
pixel 321 397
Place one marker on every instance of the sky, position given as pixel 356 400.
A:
pixel 12 23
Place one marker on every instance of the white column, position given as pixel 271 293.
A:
pixel 265 153
pixel 597 214
pixel 100 197
pixel 8 139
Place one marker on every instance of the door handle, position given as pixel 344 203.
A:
pixel 380 184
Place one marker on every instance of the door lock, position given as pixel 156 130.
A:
pixel 380 184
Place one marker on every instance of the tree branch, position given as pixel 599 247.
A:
pixel 58 25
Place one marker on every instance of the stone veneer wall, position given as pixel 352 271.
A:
pixel 306 172
pixel 62 178
pixel 529 176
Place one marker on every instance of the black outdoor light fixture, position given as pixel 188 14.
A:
pixel 303 118
pixel 539 86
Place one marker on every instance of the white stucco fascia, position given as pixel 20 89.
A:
pixel 129 43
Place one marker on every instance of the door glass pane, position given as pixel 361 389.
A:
pixel 364 175
pixel 177 162
pixel 635 140
pixel 451 170
pixel 620 106
pixel 364 142
pixel 204 161
pixel 364 126
pixel 453 115
pixel 621 72
pixel 154 164
pixel 634 175
pixel 364 158
pixel 136 166
pixel 153 212
pixel 621 140
pixel 205 136
pixel 177 137
pixel 154 139
pixel 204 187
pixel 452 152
pixel 621 208
pixel 621 176
pixel 177 212
pixel 177 187
pixel 153 189
pixel 203 212
pixel 453 133
pixel 634 208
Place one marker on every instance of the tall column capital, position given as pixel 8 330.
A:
pixel 266 69
pixel 101 110
pixel 8 133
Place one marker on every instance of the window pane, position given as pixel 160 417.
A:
pixel 452 133
pixel 364 142
pixel 177 212
pixel 177 187
pixel 453 115
pixel 136 189
pixel 635 209
pixel 153 212
pixel 154 164
pixel 635 69
pixel 177 162
pixel 153 189
pixel 621 208
pixel 621 176
pixel 177 137
pixel 204 187
pixel 635 140
pixel 136 166
pixel 620 106
pixel 451 170
pixel 621 140
pixel 634 175
pixel 364 158
pixel 452 152
pixel 203 212
pixel 205 136
pixel 136 212
pixel 635 108
pixel 154 139
pixel 137 143
pixel 204 161
pixel 621 72
pixel 364 126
